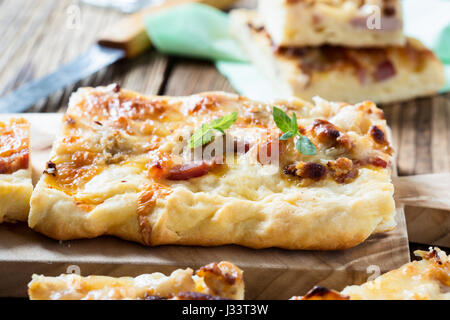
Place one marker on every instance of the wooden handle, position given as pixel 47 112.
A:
pixel 129 33
pixel 424 191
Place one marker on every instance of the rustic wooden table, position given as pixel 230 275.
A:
pixel 39 36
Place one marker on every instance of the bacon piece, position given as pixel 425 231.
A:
pixel 327 133
pixel 51 168
pixel 343 170
pixel 222 279
pixel 374 161
pixel 115 87
pixel 309 170
pixel 378 135
pixel 190 170
pixel 165 168
pixel 321 293
pixel 384 71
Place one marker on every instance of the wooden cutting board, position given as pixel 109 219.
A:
pixel 269 273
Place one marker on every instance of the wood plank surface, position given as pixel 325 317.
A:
pixel 39 36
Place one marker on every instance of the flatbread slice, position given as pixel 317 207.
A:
pixel 351 23
pixel 15 170
pixel 214 281
pixel 428 279
pixel 340 73
pixel 123 166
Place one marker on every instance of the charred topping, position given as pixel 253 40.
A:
pixel 434 255
pixel 313 171
pixel 328 133
pixel 325 130
pixel 321 293
pixel 116 87
pixel 215 269
pixel 378 135
pixel 389 9
pixel 51 168
pixel 317 291
pixel 343 170
pixel 309 170
pixel 98 122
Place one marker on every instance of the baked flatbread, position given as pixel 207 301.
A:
pixel 122 166
pixel 351 23
pixel 15 171
pixel 428 279
pixel 214 281
pixel 339 73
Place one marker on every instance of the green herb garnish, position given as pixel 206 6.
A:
pixel 289 127
pixel 205 133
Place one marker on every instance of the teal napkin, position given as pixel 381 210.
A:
pixel 194 30
pixel 199 31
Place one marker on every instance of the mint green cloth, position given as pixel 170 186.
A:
pixel 195 30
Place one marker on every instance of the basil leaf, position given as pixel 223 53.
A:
pixel 294 124
pixel 287 135
pixel 223 123
pixel 201 136
pixel 205 133
pixel 305 146
pixel 282 120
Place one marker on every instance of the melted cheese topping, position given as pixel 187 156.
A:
pixel 222 279
pixel 15 172
pixel 127 132
pixel 123 162
pixel 428 279
pixel 14 145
